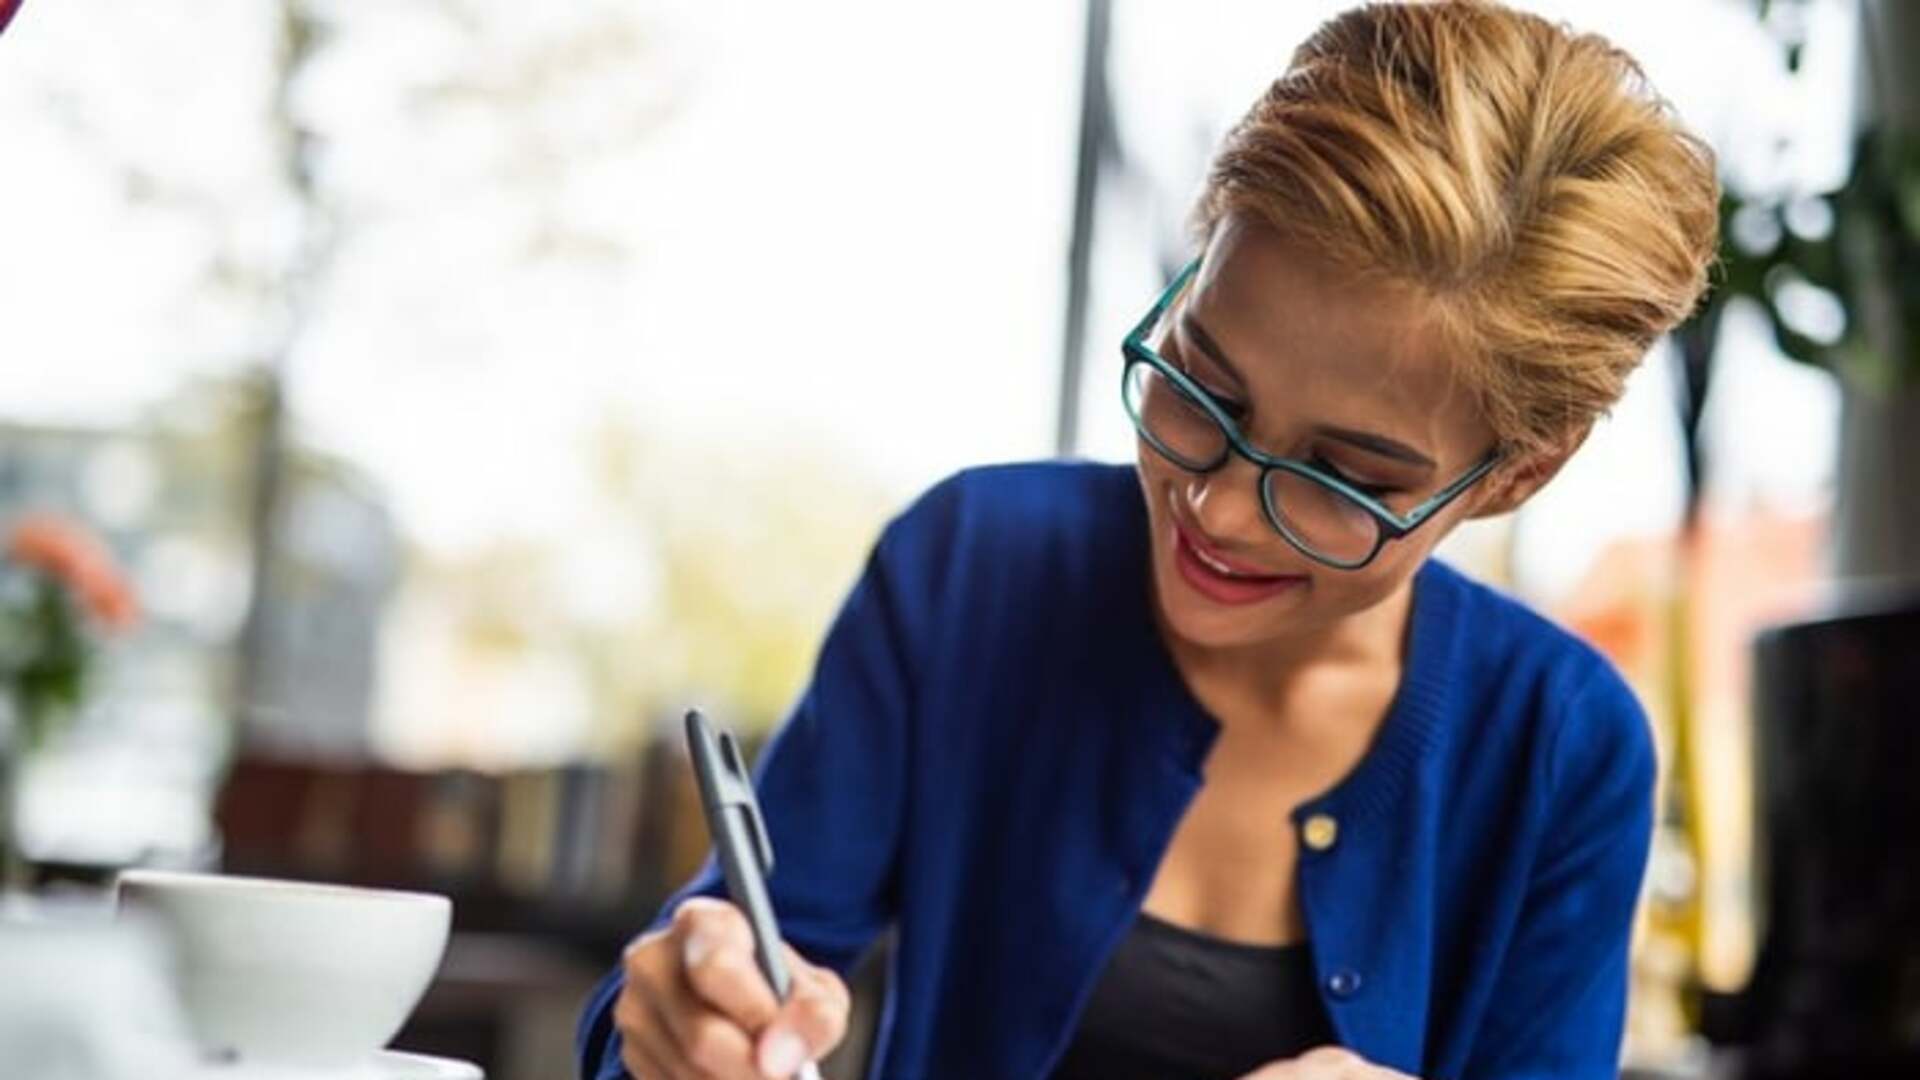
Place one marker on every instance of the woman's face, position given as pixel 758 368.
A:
pixel 1317 365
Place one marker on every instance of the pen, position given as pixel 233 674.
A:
pixel 742 844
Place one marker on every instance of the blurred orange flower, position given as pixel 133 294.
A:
pixel 73 556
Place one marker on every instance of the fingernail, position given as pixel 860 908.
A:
pixel 780 1054
pixel 697 948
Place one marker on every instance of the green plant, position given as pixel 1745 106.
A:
pixel 58 589
pixel 1825 267
pixel 1837 273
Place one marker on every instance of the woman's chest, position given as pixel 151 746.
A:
pixel 1228 870
pixel 1229 867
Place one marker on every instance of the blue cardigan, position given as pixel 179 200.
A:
pixel 995 749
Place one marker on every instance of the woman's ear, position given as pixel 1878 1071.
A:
pixel 1514 482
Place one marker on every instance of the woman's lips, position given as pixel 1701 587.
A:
pixel 1220 579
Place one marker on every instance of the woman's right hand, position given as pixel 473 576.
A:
pixel 696 1007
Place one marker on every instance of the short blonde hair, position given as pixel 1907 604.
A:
pixel 1525 177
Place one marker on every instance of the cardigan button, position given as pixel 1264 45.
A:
pixel 1344 983
pixel 1320 832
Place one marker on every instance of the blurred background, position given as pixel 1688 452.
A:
pixel 407 409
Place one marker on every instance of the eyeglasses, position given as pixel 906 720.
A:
pixel 1324 517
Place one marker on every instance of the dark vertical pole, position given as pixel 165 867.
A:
pixel 1096 137
pixel 1877 514
pixel 299 40
pixel 1695 342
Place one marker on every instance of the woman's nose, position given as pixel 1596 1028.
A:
pixel 1226 502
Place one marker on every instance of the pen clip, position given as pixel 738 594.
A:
pixel 739 793
pixel 725 783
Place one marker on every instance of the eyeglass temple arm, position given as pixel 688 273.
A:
pixel 1447 494
pixel 1167 295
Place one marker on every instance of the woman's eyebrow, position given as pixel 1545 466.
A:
pixel 1365 440
pixel 1191 323
pixel 1379 444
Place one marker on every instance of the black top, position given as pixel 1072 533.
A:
pixel 1175 1003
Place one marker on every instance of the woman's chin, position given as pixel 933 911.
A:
pixel 1209 624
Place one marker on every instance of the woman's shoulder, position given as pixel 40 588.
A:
pixel 1548 747
pixel 1030 552
pixel 1545 685
pixel 1500 633
pixel 1034 492
pixel 1017 514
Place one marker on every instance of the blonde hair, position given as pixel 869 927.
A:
pixel 1526 178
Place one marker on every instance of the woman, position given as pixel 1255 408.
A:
pixel 1201 767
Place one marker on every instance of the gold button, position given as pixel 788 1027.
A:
pixel 1320 831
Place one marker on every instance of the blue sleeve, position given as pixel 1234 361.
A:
pixel 1559 1006
pixel 831 784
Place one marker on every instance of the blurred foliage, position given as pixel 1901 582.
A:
pixel 702 575
pixel 750 556
pixel 1836 273
pixel 43 654
pixel 375 140
pixel 59 586
pixel 1857 248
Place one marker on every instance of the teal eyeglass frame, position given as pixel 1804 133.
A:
pixel 1392 526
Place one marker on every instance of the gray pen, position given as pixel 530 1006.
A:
pixel 742 845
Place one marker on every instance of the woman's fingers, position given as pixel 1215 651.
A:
pixel 694 1000
pixel 699 1040
pixel 812 1022
pixel 646 1047
pixel 716 952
